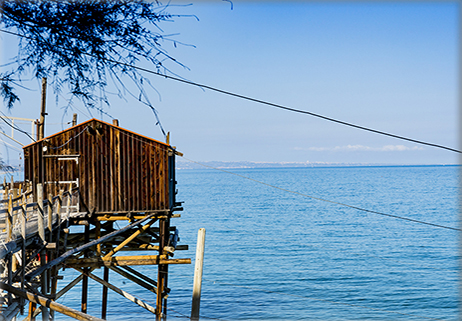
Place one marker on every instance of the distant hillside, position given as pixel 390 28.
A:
pixel 183 164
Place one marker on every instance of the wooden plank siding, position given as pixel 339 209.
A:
pixel 118 171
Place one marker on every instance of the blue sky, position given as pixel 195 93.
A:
pixel 391 66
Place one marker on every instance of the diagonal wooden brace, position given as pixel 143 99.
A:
pixel 48 303
pixel 119 291
pixel 130 238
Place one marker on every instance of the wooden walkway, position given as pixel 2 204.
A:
pixel 22 218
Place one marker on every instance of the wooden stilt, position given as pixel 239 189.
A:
pixel 198 275
pixel 165 267
pixel 43 283
pixel 53 282
pixel 32 308
pixel 40 221
pixel 10 275
pixel 85 274
pixel 159 276
pixel 105 294
pixel 9 220
pixel 23 249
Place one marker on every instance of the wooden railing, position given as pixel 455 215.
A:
pixel 21 217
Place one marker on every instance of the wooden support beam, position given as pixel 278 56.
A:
pixel 141 275
pixel 134 279
pixel 121 292
pixel 48 303
pixel 69 286
pixel 73 251
pixel 59 294
pixel 124 260
pixel 126 215
pixel 141 247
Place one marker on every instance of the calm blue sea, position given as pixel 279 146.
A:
pixel 275 255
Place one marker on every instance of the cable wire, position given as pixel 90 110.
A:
pixel 257 100
pixel 420 265
pixel 325 200
pixel 68 141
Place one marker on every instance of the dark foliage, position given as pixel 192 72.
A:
pixel 75 43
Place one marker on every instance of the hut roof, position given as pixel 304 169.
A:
pixel 97 121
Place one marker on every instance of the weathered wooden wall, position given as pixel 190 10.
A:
pixel 117 170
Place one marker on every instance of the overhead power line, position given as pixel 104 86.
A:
pixel 257 100
pixel 326 200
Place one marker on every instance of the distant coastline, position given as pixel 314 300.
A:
pixel 182 164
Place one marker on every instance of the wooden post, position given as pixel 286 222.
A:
pixel 23 256
pixel 58 214
pixel 50 272
pixel 9 265
pixel 9 220
pixel 41 132
pixel 44 286
pixel 15 195
pixel 105 273
pixel 196 299
pixel 23 218
pixel 50 217
pixel 41 227
pixel 32 308
pixel 105 290
pixel 162 269
pixel 68 210
pixel 85 272
pixel 97 236
pixel 41 232
pixel 74 119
